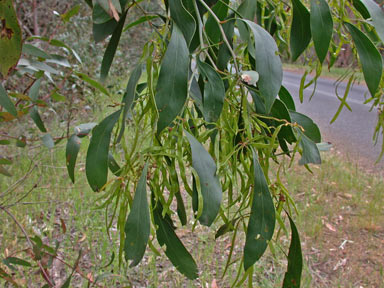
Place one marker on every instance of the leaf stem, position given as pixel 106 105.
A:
pixel 219 23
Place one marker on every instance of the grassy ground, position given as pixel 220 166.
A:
pixel 341 224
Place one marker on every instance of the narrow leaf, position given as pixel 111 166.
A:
pixel 214 92
pixel 111 49
pixel 370 58
pixel 71 13
pixel 35 51
pixel 129 96
pixel 139 21
pixel 262 220
pixel 175 250
pixel 16 261
pixel 300 34
pixel 292 277
pixel 34 113
pixel 321 27
pixel 84 129
pixel 34 90
pixel 113 166
pixel 137 227
pixel 99 15
pixel 48 141
pixel 377 15
pixel 268 62
pixel 211 27
pixel 6 102
pixel 71 151
pixel 57 43
pixel 286 97
pixel 183 19
pixel 96 165
pixel 311 130
pixel 93 83
pixel 211 191
pixel 4 171
pixel 172 87
pixel 310 153
pixel 5 161
pixel 280 111
pixel 224 54
pixel 247 10
pixel 102 31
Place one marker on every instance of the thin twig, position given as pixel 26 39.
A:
pixel 219 23
pixel 46 277
pixel 77 269
pixel 203 47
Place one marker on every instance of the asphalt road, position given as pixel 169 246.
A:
pixel 352 132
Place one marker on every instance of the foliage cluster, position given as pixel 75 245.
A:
pixel 203 112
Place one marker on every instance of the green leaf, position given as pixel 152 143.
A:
pixel 58 97
pixel 84 129
pixel 280 111
pixel 137 227
pixel 21 142
pixel 99 15
pixel 370 58
pixel 16 261
pixel 34 113
pixel 262 220
pixel 224 54
pixel 57 43
pixel 5 161
pixel 70 13
pixel 175 250
pixel 4 171
pixel 92 82
pixel 58 60
pixel 172 86
pixel 311 130
pixel 321 27
pixel 247 10
pixel 139 21
pixel 4 142
pixel 225 228
pixel 310 153
pixel 34 90
pixel 361 8
pixel 35 51
pixel 286 97
pixel 129 96
pixel 183 19
pixel 214 92
pixel 113 166
pixel 6 102
pixel 300 34
pixel 102 31
pixel 96 165
pixel 11 38
pixel 292 277
pixel 211 27
pixel 211 191
pixel 111 49
pixel 377 14
pixel 71 151
pixel 48 141
pixel 268 64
